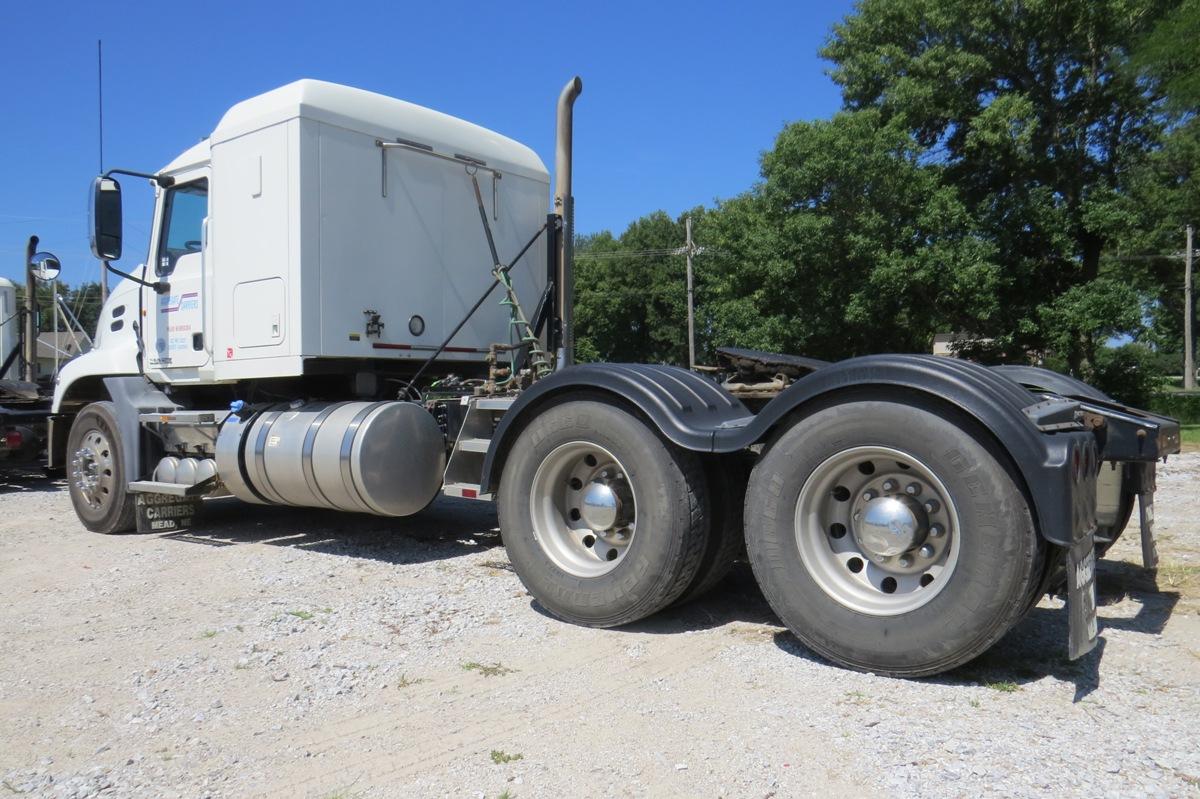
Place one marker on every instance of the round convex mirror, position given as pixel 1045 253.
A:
pixel 45 266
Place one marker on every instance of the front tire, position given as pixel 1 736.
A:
pixel 96 471
pixel 604 521
pixel 889 537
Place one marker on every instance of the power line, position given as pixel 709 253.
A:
pixel 644 253
pixel 1179 255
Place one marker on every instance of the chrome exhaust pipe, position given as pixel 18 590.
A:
pixel 564 206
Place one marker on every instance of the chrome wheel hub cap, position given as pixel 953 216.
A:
pixel 877 530
pixel 92 469
pixel 890 526
pixel 601 506
pixel 583 509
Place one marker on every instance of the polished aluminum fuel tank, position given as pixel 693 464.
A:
pixel 385 458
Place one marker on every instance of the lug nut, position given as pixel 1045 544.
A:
pixel 905 561
pixel 889 485
pixel 936 531
pixel 927 551
pixel 931 506
pixel 869 495
pixel 912 489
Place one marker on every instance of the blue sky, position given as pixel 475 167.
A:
pixel 679 99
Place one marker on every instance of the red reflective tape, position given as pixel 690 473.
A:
pixel 470 493
pixel 379 345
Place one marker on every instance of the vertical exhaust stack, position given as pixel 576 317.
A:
pixel 564 206
pixel 30 343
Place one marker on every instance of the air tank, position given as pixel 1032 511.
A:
pixel 385 458
pixel 185 471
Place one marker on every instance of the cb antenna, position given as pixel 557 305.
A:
pixel 100 97
pixel 100 136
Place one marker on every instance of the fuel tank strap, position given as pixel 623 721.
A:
pixel 306 455
pixel 260 445
pixel 348 449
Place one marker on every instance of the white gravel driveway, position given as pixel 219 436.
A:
pixel 304 653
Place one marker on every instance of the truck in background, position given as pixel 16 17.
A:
pixel 355 303
pixel 25 399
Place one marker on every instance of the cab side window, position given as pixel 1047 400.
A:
pixel 184 210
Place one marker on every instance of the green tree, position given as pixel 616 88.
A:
pixel 1037 123
pixel 850 244
pixel 631 295
pixel 1168 54
pixel 83 301
pixel 999 168
pixel 1165 196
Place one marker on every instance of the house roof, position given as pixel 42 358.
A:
pixel 67 347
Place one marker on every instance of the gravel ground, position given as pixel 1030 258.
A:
pixel 303 653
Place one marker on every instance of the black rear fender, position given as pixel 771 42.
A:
pixel 685 407
pixel 1051 453
pixel 1042 438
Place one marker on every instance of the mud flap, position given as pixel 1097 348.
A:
pixel 164 513
pixel 1145 488
pixel 1081 596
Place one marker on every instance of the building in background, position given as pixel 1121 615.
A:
pixel 65 345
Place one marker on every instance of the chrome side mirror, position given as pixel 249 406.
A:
pixel 45 266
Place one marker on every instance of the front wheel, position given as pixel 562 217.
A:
pixel 604 522
pixel 96 469
pixel 889 537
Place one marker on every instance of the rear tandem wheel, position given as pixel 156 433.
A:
pixel 889 537
pixel 604 521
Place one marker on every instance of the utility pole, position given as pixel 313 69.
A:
pixel 1189 310
pixel 31 335
pixel 54 294
pixel 689 248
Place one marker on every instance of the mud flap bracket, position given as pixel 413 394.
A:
pixel 1145 474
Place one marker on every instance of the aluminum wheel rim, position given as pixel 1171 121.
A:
pixel 568 522
pixel 840 549
pixel 92 469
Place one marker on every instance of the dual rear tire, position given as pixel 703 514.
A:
pixel 888 535
pixel 604 522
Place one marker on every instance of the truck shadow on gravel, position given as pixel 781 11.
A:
pixel 737 600
pixel 1035 649
pixel 448 528
pixel 23 479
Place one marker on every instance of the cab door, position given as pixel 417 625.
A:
pixel 175 325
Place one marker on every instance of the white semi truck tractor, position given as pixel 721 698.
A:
pixel 355 303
